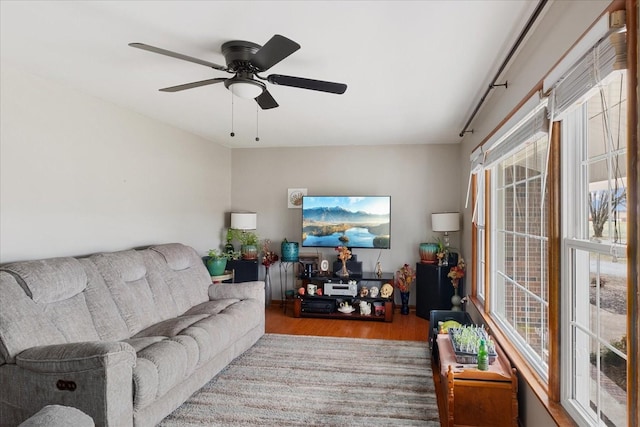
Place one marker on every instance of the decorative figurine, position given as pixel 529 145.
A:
pixel 373 292
pixel 378 269
pixel 386 291
pixel 365 308
pixel 364 291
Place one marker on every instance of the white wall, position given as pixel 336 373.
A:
pixel 559 28
pixel 79 175
pixel 420 179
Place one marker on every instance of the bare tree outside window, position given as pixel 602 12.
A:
pixel 599 202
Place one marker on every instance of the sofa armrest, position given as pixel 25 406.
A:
pixel 76 357
pixel 243 290
pixel 95 377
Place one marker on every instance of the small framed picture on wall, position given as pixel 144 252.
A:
pixel 294 197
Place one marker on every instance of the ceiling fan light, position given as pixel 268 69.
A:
pixel 248 89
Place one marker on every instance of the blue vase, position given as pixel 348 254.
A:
pixel 404 298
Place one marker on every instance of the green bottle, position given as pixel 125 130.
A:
pixel 483 356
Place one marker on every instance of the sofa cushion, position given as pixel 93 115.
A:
pixel 184 273
pixel 139 344
pixel 170 327
pixel 165 301
pixel 159 367
pixel 109 325
pixel 211 307
pixel 72 318
pixel 49 280
pixel 178 257
pixel 22 324
pixel 124 273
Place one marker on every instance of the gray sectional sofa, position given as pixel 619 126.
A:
pixel 126 337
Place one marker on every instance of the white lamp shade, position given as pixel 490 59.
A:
pixel 244 220
pixel 445 221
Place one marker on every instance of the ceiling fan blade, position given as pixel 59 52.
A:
pixel 192 85
pixel 319 85
pixel 266 101
pixel 274 51
pixel 177 55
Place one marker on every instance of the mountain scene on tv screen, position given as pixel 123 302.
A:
pixel 337 226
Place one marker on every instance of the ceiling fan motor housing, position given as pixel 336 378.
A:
pixel 238 53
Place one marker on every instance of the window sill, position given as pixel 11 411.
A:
pixel 537 385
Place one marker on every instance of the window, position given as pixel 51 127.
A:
pixel 520 298
pixel 595 270
pixel 566 314
pixel 481 258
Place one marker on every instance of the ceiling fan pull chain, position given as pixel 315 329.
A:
pixel 257 112
pixel 232 132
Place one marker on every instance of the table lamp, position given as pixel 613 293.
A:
pixel 445 222
pixel 244 220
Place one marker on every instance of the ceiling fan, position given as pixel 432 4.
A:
pixel 245 60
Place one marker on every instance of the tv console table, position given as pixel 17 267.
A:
pixel 325 306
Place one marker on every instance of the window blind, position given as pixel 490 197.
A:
pixel 605 57
pixel 536 126
pixel 505 134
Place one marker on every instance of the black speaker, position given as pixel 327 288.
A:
pixel 453 258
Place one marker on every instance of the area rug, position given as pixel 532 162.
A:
pixel 292 380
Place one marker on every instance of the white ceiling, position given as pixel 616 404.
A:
pixel 414 69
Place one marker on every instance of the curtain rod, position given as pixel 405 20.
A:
pixel 514 48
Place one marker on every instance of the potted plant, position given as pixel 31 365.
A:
pixel 232 235
pixel 217 262
pixel 249 244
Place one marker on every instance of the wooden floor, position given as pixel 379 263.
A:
pixel 405 328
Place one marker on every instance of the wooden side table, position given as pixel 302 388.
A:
pixel 471 397
pixel 228 275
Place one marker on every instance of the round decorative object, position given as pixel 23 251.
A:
pixel 373 292
pixel 324 266
pixel 295 198
pixel 386 290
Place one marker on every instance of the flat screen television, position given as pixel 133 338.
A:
pixel 356 222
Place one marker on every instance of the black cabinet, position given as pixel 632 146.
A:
pixel 244 270
pixel 433 289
